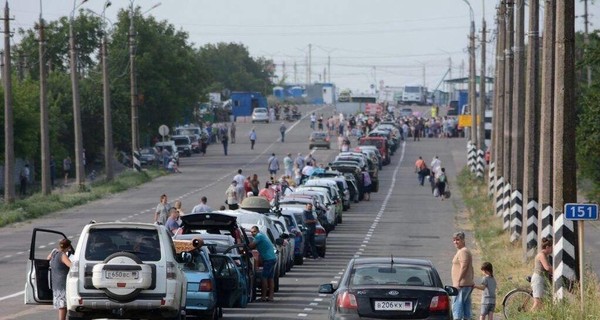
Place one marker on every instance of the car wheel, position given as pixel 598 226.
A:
pixel 298 260
pixel 321 252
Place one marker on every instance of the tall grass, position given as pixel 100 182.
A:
pixel 39 205
pixel 510 264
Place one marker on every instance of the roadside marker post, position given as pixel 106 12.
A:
pixel 581 212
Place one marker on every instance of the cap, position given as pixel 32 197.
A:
pixel 460 235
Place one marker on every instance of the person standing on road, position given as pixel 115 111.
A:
pixel 462 278
pixel 255 184
pixel 232 132
pixel 178 205
pixel 366 184
pixel 299 162
pixel 441 183
pixel 273 165
pixel 24 179
pixel 282 130
pixel 288 165
pixel 162 210
pixel 267 253
pixel 311 227
pixel 224 139
pixel 231 195
pixel 542 271
pixel 252 136
pixel 239 178
pixel 313 120
pixel 60 264
pixel 172 223
pixel 436 166
pixel 202 206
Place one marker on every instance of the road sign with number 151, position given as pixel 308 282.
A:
pixel 581 211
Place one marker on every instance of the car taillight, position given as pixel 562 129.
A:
pixel 74 270
pixel 171 268
pixel 439 303
pixel 347 301
pixel 205 285
pixel 320 231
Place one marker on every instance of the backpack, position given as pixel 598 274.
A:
pixel 442 178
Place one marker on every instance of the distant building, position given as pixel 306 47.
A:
pixel 242 103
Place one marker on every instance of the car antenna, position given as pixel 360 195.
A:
pixel 392 259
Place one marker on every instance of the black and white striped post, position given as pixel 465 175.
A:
pixel 516 215
pixel 506 206
pixel 471 156
pixel 137 165
pixel 532 228
pixel 480 164
pixel 499 196
pixel 491 176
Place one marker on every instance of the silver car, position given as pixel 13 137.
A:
pixel 260 115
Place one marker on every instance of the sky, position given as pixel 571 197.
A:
pixel 365 43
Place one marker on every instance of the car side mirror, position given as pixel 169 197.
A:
pixel 285 236
pixel 185 257
pixel 279 241
pixel 452 291
pixel 326 288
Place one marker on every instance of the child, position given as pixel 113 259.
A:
pixel 488 285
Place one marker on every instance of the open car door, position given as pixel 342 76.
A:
pixel 231 283
pixel 37 284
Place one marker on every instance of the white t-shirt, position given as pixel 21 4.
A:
pixel 239 178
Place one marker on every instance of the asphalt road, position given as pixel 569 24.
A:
pixel 402 219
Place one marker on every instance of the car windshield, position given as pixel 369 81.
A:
pixel 260 110
pixel 381 274
pixel 319 135
pixel 103 242
pixel 197 264
pixel 181 141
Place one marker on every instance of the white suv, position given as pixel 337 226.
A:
pixel 119 270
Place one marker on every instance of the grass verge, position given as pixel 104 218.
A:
pixel 39 205
pixel 509 260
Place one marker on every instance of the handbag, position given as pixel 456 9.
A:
pixel 447 194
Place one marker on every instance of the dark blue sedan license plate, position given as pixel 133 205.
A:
pixel 393 305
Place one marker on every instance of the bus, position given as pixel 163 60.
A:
pixel 414 95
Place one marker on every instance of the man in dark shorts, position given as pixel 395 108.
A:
pixel 267 254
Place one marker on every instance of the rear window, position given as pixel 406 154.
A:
pixel 197 264
pixel 180 141
pixel 392 274
pixel 101 243
pixel 319 135
pixel 260 110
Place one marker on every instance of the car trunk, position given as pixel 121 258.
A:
pixel 394 302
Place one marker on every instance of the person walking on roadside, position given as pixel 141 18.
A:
pixel 224 140
pixel 273 163
pixel 462 278
pixel 172 223
pixel 542 271
pixel 232 132
pixel 421 170
pixel 24 179
pixel 488 285
pixel 288 165
pixel 239 178
pixel 441 183
pixel 311 229
pixel 178 205
pixel 313 120
pixel 252 136
pixel 267 254
pixel 436 166
pixel 66 168
pixel 162 210
pixel 255 184
pixel 367 183
pixel 231 196
pixel 60 264
pixel 202 206
pixel 282 130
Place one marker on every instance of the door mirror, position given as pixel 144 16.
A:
pixel 279 241
pixel 452 291
pixel 326 288
pixel 285 236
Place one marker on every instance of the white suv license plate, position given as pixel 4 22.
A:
pixel 393 305
pixel 121 275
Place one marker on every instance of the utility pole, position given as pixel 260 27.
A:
pixel 329 68
pixel 295 73
pixel 532 113
pixel 309 63
pixel 586 40
pixel 508 87
pixel 566 259
pixel 44 126
pixel 108 138
pixel 547 121
pixel 498 133
pixel 134 96
pixel 482 92
pixel 9 139
pixel 79 168
pixel 518 126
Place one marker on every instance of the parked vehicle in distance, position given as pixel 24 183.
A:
pixel 319 139
pixel 381 144
pixel 260 115
pixel 298 232
pixel 170 147
pixel 147 157
pixel 184 145
pixel 119 270
pixel 406 112
pixel 320 233
pixel 389 288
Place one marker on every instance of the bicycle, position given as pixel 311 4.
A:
pixel 517 301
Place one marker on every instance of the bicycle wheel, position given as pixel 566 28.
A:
pixel 517 301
